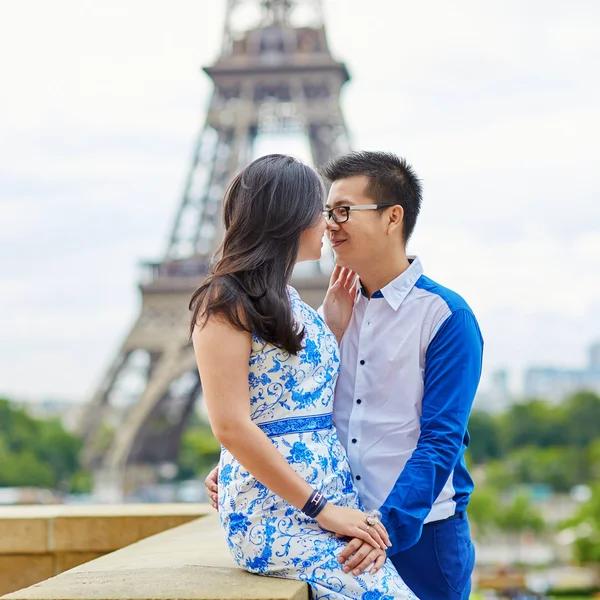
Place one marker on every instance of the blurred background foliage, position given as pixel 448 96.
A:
pixel 534 448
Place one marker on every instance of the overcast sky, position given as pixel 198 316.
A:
pixel 495 103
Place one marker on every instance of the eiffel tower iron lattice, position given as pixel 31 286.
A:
pixel 275 75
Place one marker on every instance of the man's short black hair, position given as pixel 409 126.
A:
pixel 391 181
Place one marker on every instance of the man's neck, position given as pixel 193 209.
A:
pixel 382 272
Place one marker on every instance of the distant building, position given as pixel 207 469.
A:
pixel 555 384
pixel 497 398
pixel 595 356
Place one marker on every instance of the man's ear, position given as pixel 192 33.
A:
pixel 395 218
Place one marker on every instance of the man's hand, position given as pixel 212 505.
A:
pixel 339 300
pixel 212 488
pixel 359 556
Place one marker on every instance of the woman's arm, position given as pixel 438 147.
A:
pixel 222 353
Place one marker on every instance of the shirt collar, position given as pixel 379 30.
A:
pixel 397 289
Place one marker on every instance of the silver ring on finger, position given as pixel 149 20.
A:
pixel 372 519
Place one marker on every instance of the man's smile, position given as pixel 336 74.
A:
pixel 335 241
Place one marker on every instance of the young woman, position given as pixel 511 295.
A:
pixel 268 365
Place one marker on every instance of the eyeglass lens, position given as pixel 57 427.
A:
pixel 339 214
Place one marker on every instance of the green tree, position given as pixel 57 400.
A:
pixel 520 515
pixel 560 468
pixel 581 419
pixel 25 469
pixel 485 437
pixel 592 454
pixel 534 423
pixel 19 429
pixel 586 525
pixel 483 508
pixel 499 475
pixel 60 450
pixel 199 451
pixel 35 452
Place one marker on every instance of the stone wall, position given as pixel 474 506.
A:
pixel 38 542
pixel 188 562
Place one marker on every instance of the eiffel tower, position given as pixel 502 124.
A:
pixel 275 75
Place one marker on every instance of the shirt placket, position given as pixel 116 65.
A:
pixel 360 400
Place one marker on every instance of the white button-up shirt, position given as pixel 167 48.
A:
pixel 410 365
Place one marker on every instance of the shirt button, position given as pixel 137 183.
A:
pixel 358 401
pixel 358 478
pixel 362 362
pixel 354 440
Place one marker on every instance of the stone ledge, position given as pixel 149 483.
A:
pixel 52 529
pixel 102 510
pixel 189 562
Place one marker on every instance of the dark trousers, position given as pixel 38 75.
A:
pixel 440 564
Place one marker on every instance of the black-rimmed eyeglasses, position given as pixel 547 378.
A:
pixel 340 214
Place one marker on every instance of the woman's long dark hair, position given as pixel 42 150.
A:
pixel 266 208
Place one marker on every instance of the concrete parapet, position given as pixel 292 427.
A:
pixel 189 562
pixel 37 542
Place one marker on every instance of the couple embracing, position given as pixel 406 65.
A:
pixel 343 430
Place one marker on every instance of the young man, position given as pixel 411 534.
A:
pixel 410 365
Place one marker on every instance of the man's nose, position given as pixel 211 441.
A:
pixel 332 225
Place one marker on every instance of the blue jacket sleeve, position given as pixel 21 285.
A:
pixel 452 371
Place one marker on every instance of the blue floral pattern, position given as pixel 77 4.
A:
pixel 291 400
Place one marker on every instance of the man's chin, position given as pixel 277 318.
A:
pixel 340 260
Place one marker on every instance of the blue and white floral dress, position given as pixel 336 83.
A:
pixel 291 400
